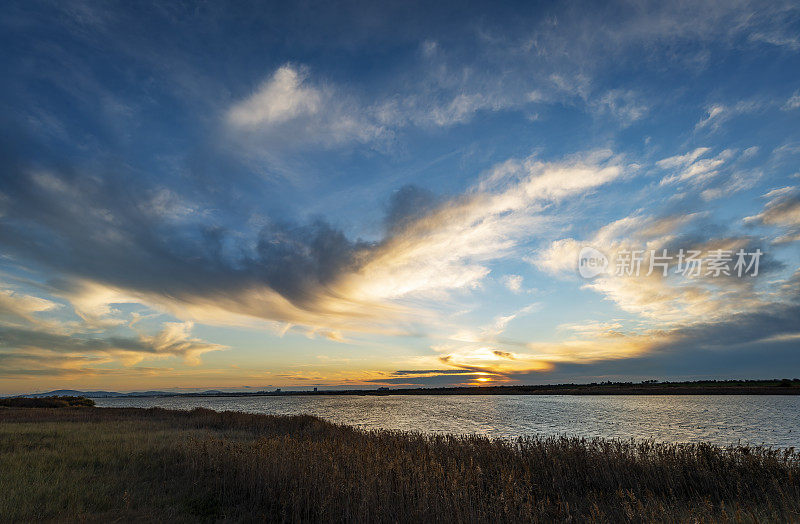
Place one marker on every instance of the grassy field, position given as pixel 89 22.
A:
pixel 100 464
pixel 46 402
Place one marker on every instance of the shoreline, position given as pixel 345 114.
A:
pixel 731 387
pixel 513 390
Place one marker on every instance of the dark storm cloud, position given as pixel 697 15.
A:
pixel 122 232
pixel 407 204
pixel 295 260
pixel 740 329
pixel 760 344
pixel 758 360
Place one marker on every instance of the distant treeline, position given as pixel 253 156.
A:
pixel 650 387
pixel 46 402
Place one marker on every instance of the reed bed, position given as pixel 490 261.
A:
pixel 46 402
pixel 154 464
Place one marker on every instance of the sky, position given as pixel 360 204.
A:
pixel 244 196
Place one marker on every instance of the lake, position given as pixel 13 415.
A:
pixel 752 419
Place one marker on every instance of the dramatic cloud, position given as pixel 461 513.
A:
pixel 18 306
pixel 783 211
pixel 683 298
pixel 24 351
pixel 448 247
pixel 675 311
pixel 310 275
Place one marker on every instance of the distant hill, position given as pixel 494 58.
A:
pixel 112 394
pixel 73 393
pixel 94 394
pixel 648 387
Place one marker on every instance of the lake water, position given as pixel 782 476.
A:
pixel 766 420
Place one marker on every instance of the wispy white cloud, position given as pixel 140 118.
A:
pixel 782 210
pixel 288 111
pixel 513 283
pixel 680 161
pixel 793 102
pixel 717 114
pixel 777 38
pixel 690 167
pixel 448 248
pixel 715 177
pixel 626 106
pixel 20 306
pixel 713 116
pixel 280 98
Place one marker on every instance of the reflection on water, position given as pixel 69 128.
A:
pixel 767 420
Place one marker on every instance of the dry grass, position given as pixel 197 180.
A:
pixel 104 464
pixel 46 402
